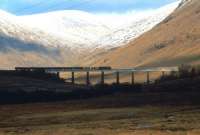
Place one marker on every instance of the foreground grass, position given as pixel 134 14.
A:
pixel 88 117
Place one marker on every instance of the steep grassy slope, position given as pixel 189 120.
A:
pixel 173 42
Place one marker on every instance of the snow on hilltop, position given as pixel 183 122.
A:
pixel 141 23
pixel 81 29
pixel 78 30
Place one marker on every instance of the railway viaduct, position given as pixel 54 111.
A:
pixel 101 70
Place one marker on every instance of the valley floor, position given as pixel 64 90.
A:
pixel 100 116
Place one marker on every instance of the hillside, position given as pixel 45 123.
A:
pixel 173 42
pixel 63 37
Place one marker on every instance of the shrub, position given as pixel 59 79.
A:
pixel 185 71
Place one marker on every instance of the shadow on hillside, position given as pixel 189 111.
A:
pixel 10 43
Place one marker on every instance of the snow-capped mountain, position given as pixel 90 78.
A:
pixel 65 36
pixel 84 30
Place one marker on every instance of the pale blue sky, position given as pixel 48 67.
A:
pixel 22 7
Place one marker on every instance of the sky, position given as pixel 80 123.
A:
pixel 26 7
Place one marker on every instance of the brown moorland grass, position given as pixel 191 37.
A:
pixel 69 118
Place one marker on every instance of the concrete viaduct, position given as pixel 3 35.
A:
pixel 101 70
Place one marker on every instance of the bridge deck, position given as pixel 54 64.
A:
pixel 103 70
pixel 96 69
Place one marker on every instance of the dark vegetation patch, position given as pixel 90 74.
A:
pixel 193 37
pixel 40 75
pixel 168 19
pixel 197 11
pixel 160 45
